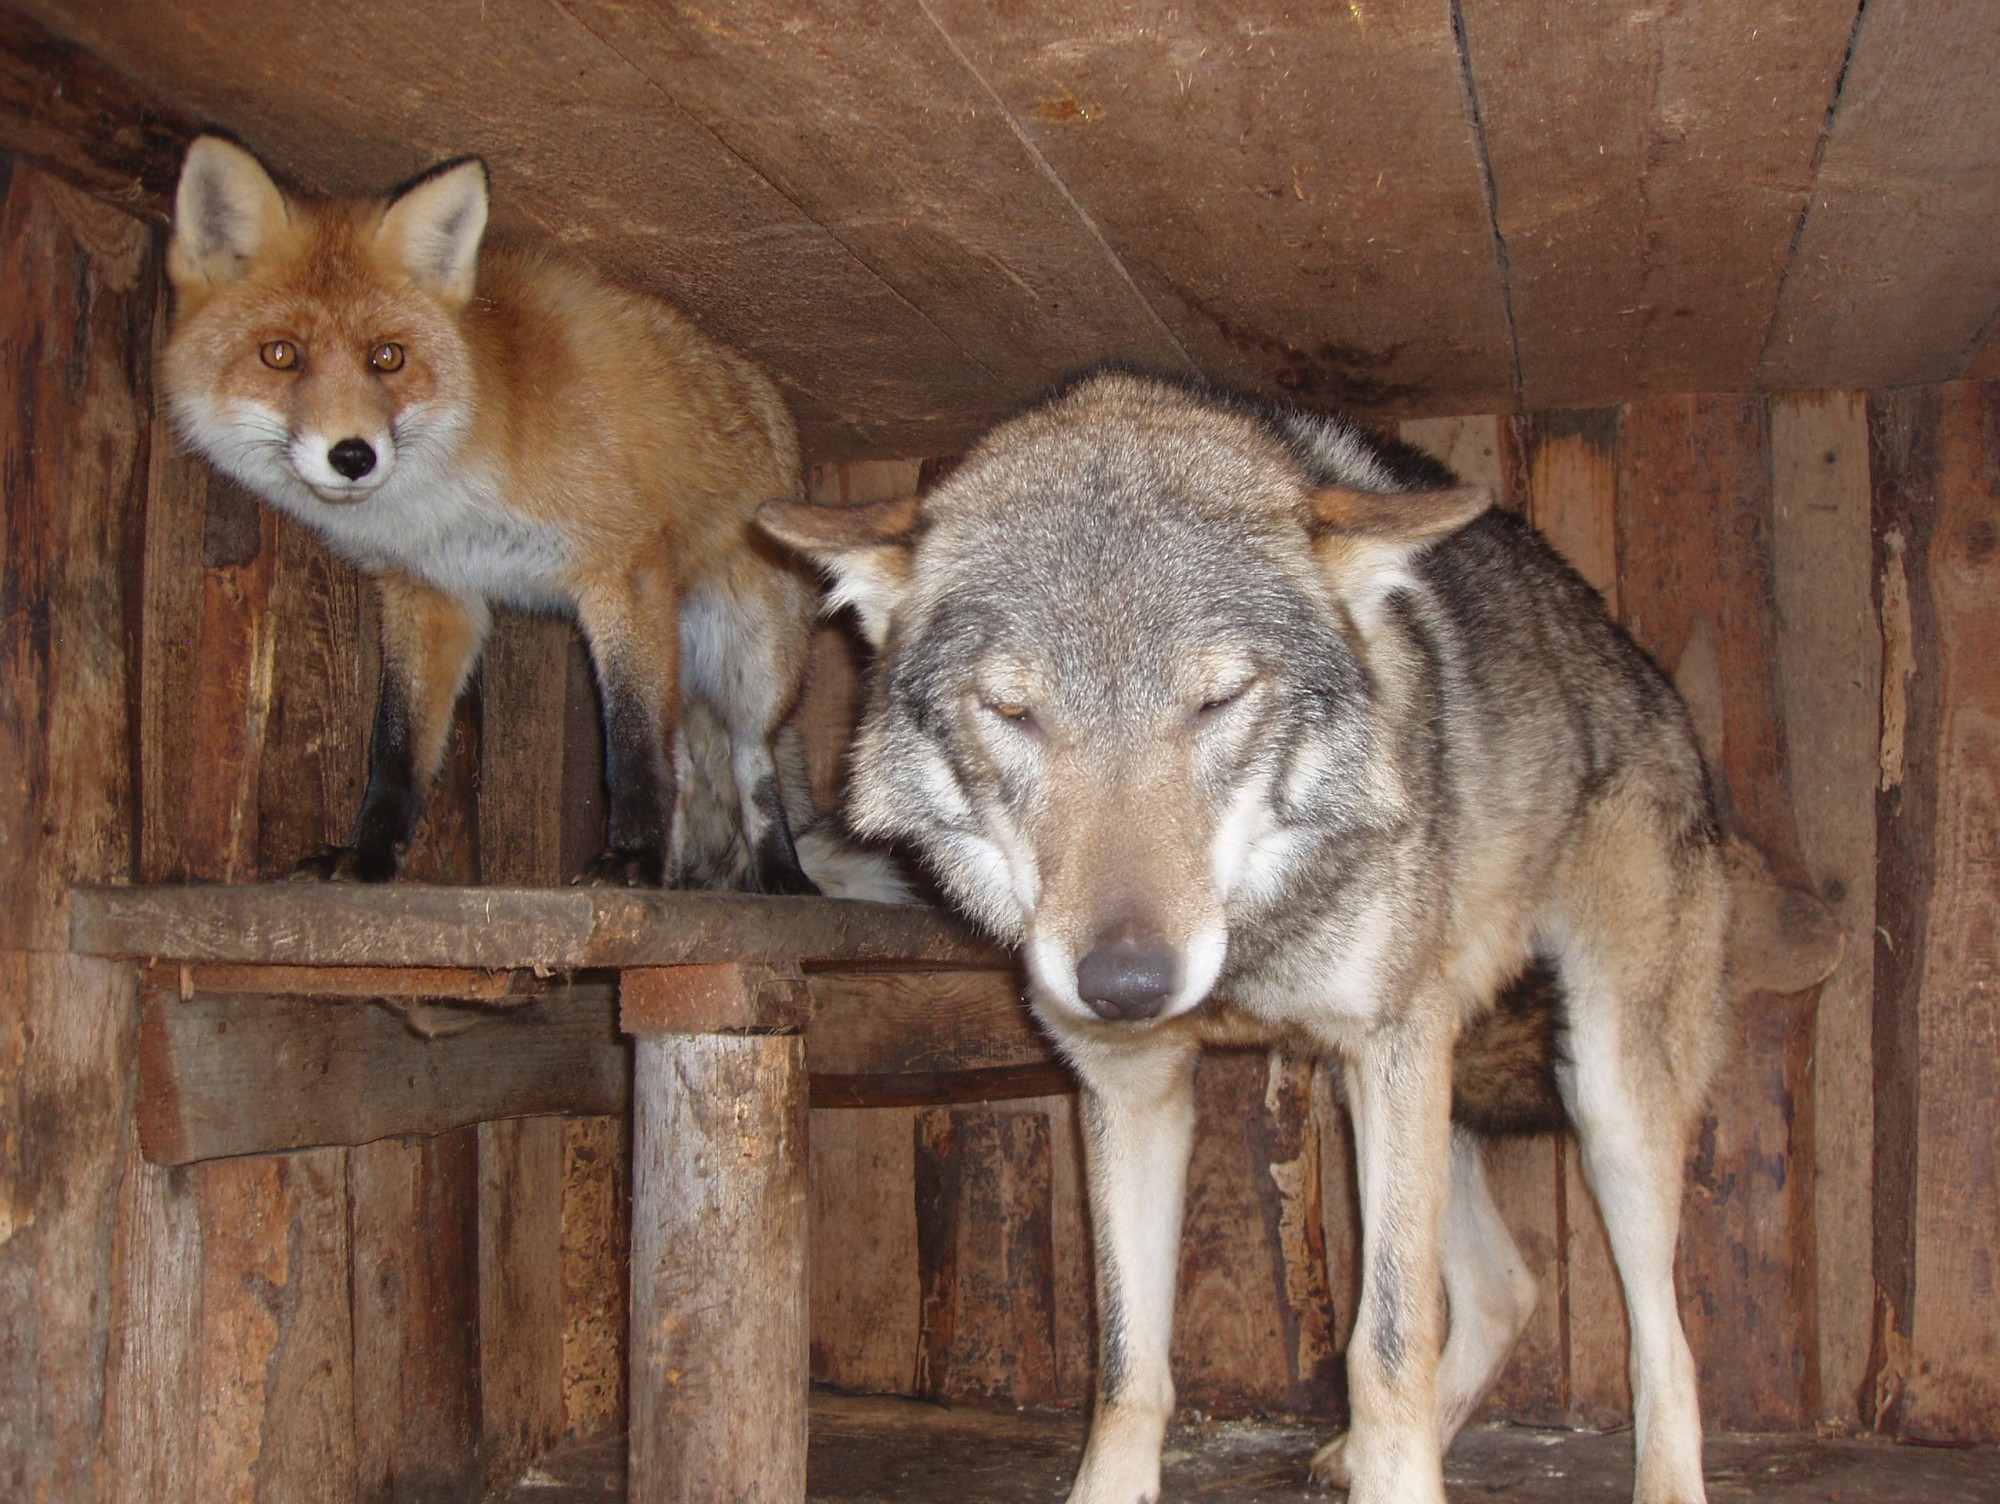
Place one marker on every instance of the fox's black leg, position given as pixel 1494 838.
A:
pixel 633 631
pixel 381 835
pixel 639 779
pixel 429 644
pixel 774 859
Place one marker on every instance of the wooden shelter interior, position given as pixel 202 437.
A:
pixel 1708 292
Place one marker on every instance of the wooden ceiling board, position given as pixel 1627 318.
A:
pixel 583 147
pixel 1895 280
pixel 1297 190
pixel 915 213
pixel 1651 165
pixel 862 113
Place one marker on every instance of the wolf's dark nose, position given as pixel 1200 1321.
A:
pixel 353 458
pixel 1127 974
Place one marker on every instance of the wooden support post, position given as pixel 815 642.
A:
pixel 719 1282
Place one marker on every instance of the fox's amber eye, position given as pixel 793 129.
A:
pixel 279 354
pixel 386 357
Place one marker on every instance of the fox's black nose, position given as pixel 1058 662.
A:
pixel 1128 973
pixel 353 458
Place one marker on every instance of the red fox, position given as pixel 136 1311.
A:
pixel 499 428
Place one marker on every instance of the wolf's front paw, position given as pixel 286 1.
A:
pixel 1329 1465
pixel 1108 1480
pixel 612 868
pixel 347 864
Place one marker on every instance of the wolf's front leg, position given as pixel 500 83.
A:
pixel 1138 1116
pixel 1399 1092
pixel 430 641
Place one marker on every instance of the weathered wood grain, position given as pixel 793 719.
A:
pixel 63 109
pixel 596 1300
pixel 719 1288
pixel 520 1292
pixel 172 589
pixel 152 1400
pixel 1695 586
pixel 888 1023
pixel 1892 280
pixel 76 314
pixel 524 809
pixel 1069 1240
pixel 1822 567
pixel 254 1069
pixel 1240 162
pixel 865 1289
pixel 310 697
pixel 717 998
pixel 1254 1329
pixel 276 1343
pixel 985 1257
pixel 1647 191
pixel 66 1048
pixel 415 1226
pixel 1935 1370
pixel 1571 460
pixel 928 181
pixel 224 1074
pixel 410 924
pixel 523 683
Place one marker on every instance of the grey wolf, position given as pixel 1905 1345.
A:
pixel 504 428
pixel 1244 725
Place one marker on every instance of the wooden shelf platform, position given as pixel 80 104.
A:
pixel 286 1016
pixel 562 929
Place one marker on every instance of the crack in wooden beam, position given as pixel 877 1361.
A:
pixel 1048 171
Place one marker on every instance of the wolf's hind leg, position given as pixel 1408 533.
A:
pixel 1641 964
pixel 1489 1294
pixel 1138 1115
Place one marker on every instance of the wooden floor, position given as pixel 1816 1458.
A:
pixel 878 1451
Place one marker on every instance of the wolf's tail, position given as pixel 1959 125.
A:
pixel 1503 1074
pixel 709 850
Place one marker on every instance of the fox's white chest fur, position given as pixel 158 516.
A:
pixel 456 531
pixel 437 516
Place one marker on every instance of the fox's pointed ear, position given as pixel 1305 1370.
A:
pixel 225 208
pixel 865 547
pixel 432 229
pixel 1365 538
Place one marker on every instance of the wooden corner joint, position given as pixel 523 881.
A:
pixel 728 998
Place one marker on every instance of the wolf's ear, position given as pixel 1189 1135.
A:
pixel 1365 538
pixel 225 208
pixel 865 547
pixel 433 228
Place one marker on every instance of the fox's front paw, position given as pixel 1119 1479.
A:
pixel 612 868
pixel 347 864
